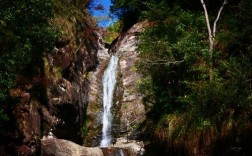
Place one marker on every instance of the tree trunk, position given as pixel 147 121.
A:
pixel 211 33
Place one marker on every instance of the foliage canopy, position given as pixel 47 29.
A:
pixel 174 61
pixel 26 34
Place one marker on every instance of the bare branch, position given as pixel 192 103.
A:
pixel 164 62
pixel 211 33
pixel 208 25
pixel 218 17
pixel 79 47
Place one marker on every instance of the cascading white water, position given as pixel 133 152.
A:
pixel 109 82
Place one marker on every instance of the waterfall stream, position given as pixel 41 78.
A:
pixel 108 82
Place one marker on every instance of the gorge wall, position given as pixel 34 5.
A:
pixel 128 109
pixel 52 101
pixel 59 100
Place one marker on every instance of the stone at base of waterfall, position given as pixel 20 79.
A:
pixel 60 147
pixel 135 147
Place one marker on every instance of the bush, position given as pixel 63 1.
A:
pixel 175 65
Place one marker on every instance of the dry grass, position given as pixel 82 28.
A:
pixel 54 73
pixel 174 131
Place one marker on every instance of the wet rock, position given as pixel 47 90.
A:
pixel 128 110
pixel 93 118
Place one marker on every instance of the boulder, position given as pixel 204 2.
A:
pixel 59 147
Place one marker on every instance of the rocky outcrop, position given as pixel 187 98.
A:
pixel 131 147
pixel 66 68
pixel 128 110
pixel 54 95
pixel 59 147
pixel 132 111
pixel 93 125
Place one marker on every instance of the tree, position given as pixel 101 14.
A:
pixel 197 87
pixel 212 31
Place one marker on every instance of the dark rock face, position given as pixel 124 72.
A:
pixel 53 101
pixel 68 95
pixel 28 123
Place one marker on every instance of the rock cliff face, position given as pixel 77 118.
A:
pixel 67 69
pixel 132 111
pixel 93 118
pixel 55 95
pixel 53 99
pixel 128 110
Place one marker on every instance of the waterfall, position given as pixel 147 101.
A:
pixel 109 82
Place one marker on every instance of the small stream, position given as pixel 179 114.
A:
pixel 109 83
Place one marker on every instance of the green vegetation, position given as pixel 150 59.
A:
pixel 188 93
pixel 113 31
pixel 25 34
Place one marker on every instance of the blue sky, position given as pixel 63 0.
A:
pixel 105 18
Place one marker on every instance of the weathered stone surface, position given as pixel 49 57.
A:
pixel 94 109
pixel 54 95
pixel 131 147
pixel 128 110
pixel 60 147
pixel 28 122
pixel 66 69
pixel 67 93
pixel 132 111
